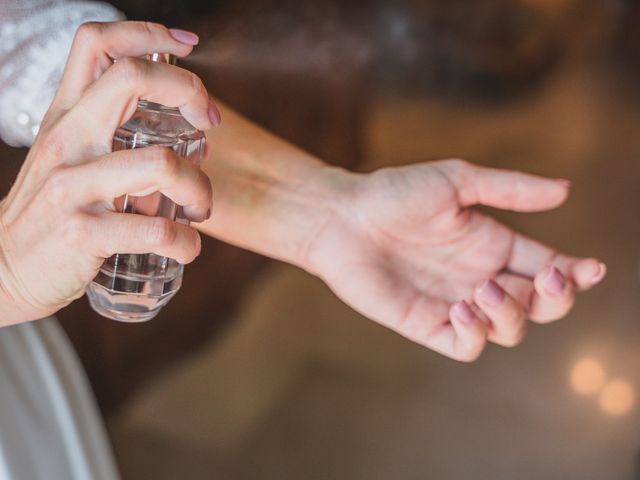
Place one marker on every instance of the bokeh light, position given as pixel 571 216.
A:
pixel 587 376
pixel 617 397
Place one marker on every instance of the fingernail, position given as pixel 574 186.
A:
pixel 214 114
pixel 184 36
pixel 602 271
pixel 554 282
pixel 491 293
pixel 565 182
pixel 464 312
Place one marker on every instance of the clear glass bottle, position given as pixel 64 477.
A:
pixel 134 287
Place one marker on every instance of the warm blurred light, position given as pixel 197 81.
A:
pixel 617 397
pixel 587 376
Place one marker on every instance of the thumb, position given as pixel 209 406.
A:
pixel 505 189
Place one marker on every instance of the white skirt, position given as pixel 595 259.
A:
pixel 50 427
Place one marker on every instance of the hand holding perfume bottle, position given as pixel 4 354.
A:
pixel 60 221
pixel 134 287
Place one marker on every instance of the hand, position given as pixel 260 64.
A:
pixel 58 223
pixel 405 248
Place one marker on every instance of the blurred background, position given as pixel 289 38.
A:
pixel 256 371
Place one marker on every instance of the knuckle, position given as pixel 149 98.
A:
pixel 150 28
pixel 514 338
pixel 458 165
pixel 456 169
pixel 564 310
pixel 197 86
pixel 130 70
pixel 203 187
pixel 209 188
pixel 57 187
pixel 50 146
pixel 162 162
pixel 512 318
pixel 468 356
pixel 74 229
pixel 89 32
pixel 162 232
pixel 194 252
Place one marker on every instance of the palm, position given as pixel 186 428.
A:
pixel 409 247
pixel 438 246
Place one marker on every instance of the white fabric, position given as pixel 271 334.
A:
pixel 50 428
pixel 35 38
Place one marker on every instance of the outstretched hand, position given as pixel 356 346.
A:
pixel 407 250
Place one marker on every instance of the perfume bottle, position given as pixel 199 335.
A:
pixel 134 287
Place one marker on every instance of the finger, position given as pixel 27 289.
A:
pixel 504 189
pixel 113 98
pixel 137 172
pixel 587 273
pixel 507 315
pixel 553 298
pixel 96 45
pixel 528 257
pixel 455 331
pixel 550 296
pixel 111 233
pixel 391 302
pixel 469 333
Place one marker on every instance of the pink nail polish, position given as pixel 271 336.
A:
pixel 491 294
pixel 554 282
pixel 214 114
pixel 184 36
pixel 464 312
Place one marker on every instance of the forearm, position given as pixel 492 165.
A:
pixel 269 196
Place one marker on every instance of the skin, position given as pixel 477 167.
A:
pixel 58 222
pixel 402 246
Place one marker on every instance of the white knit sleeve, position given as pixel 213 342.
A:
pixel 35 39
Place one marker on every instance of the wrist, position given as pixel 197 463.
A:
pixel 10 314
pixel 278 213
pixel 328 197
pixel 269 196
pixel 10 311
